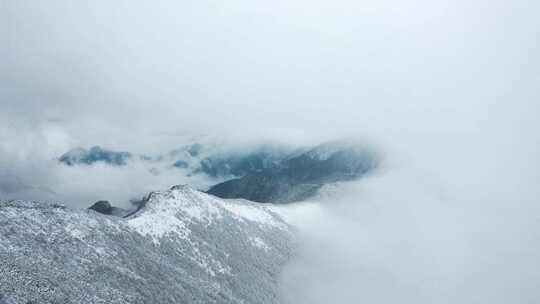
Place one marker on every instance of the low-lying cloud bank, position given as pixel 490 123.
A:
pixel 455 221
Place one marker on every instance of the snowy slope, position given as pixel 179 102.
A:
pixel 183 246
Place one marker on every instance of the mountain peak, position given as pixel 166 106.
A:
pixel 168 212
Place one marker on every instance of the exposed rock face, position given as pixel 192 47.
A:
pixel 104 207
pixel 301 175
pixel 182 246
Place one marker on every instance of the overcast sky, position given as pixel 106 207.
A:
pixel 420 75
pixel 113 72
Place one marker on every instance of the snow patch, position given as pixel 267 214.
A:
pixel 259 243
pixel 170 212
pixel 157 225
pixel 259 214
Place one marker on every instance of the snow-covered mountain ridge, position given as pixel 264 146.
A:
pixel 182 246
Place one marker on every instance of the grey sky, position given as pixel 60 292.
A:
pixel 432 76
pixel 152 67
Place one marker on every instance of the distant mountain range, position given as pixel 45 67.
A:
pixel 196 158
pixel 264 173
pixel 300 175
